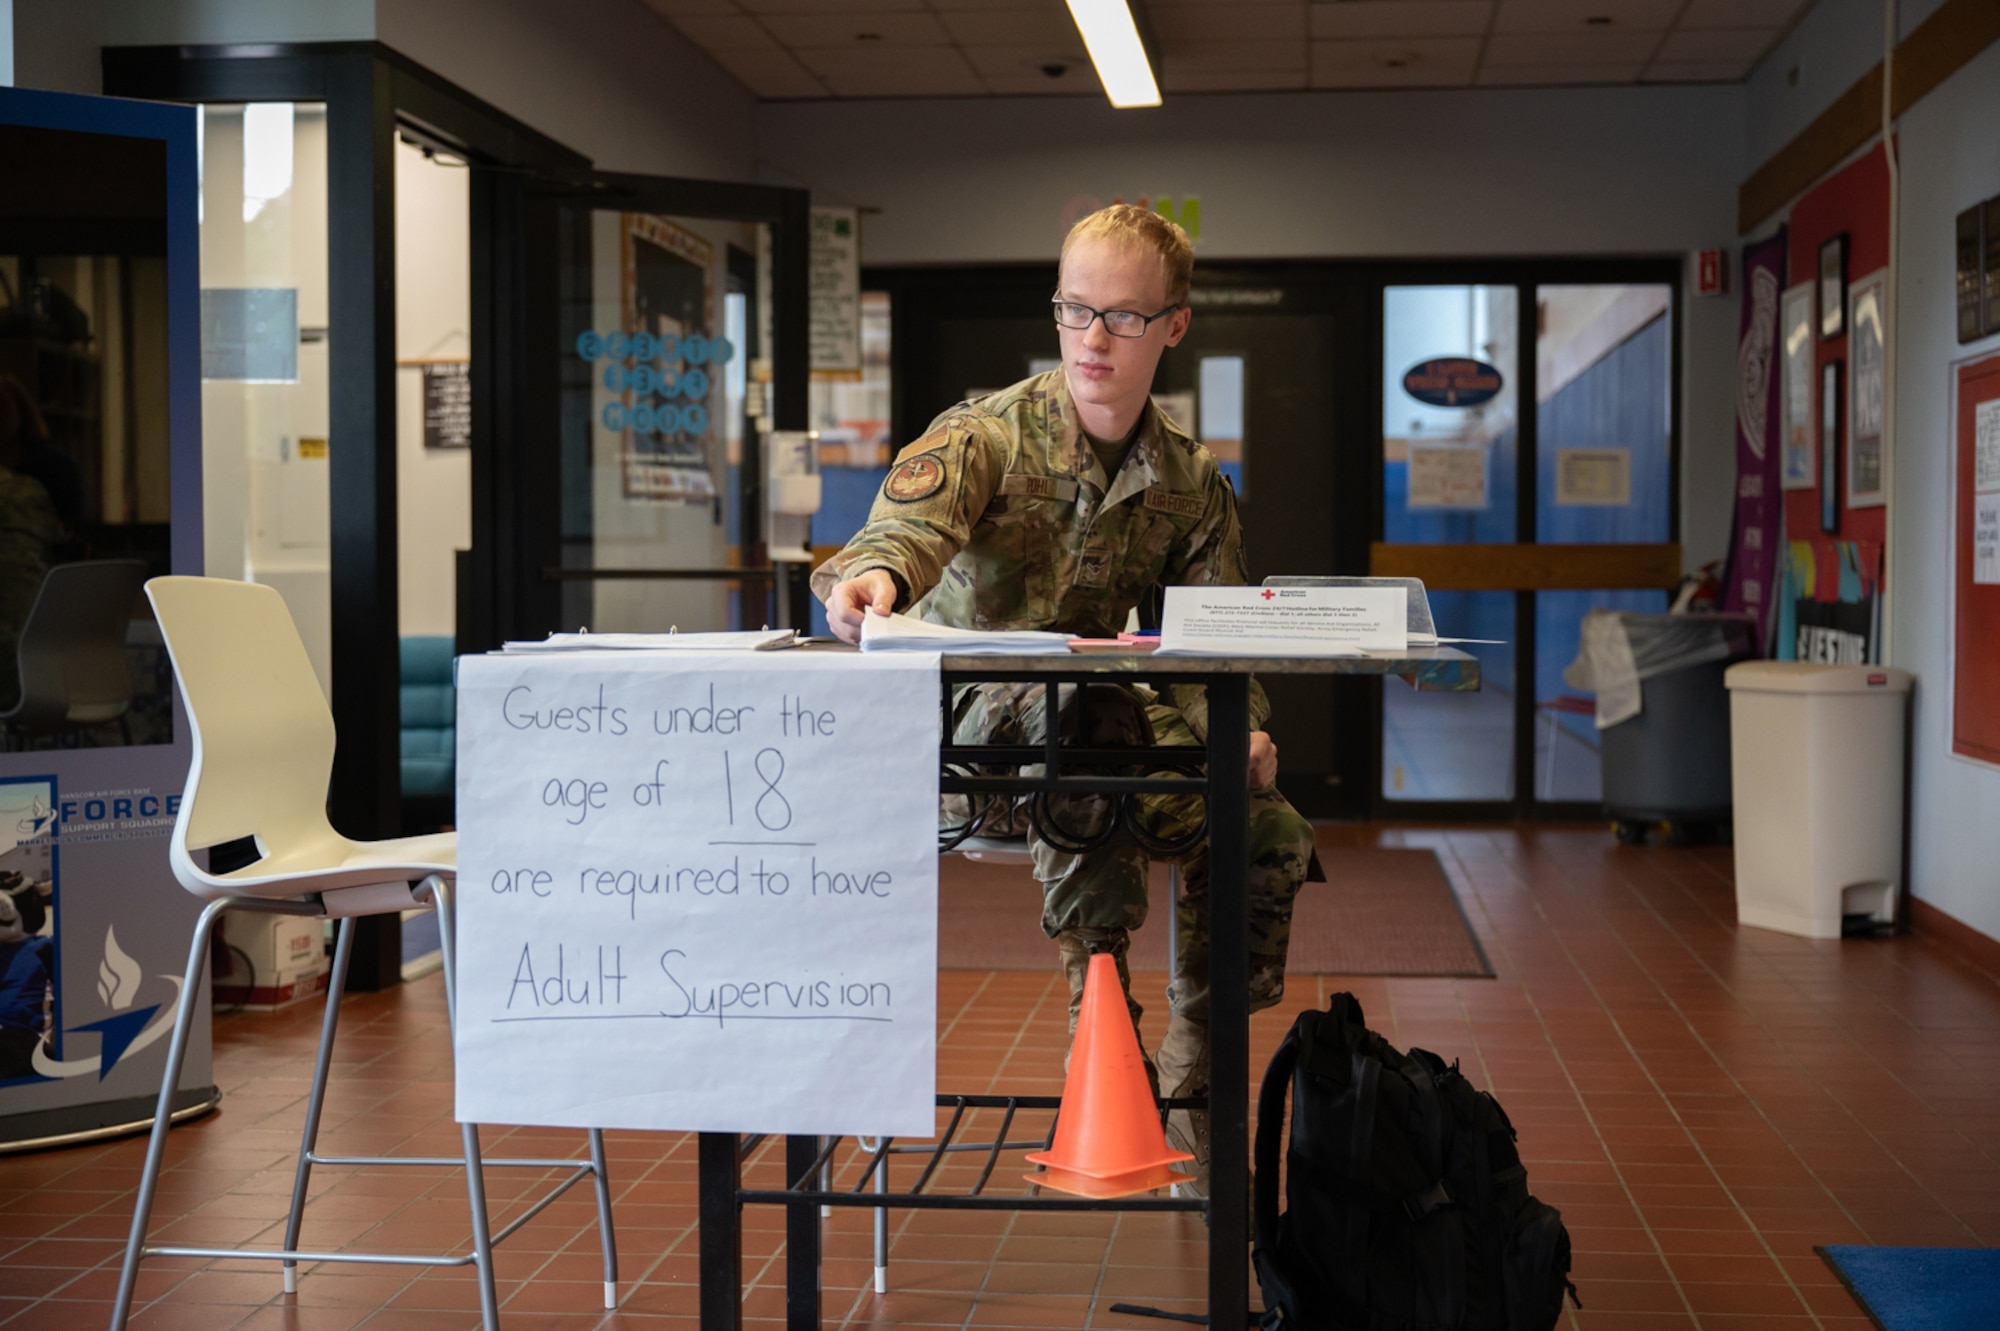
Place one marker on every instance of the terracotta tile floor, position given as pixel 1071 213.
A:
pixel 1704 1103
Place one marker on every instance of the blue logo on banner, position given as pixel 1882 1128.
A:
pixel 1452 382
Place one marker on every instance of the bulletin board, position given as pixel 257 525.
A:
pixel 1975 708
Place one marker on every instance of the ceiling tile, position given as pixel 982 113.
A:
pixel 1574 15
pixel 831 6
pixel 676 8
pixel 934 69
pixel 1234 80
pixel 919 80
pixel 771 73
pixel 1401 18
pixel 1742 13
pixel 1234 22
pixel 1423 62
pixel 1026 62
pixel 885 29
pixel 1547 76
pixel 725 32
pixel 1570 48
pixel 1222 56
pixel 1697 71
pixel 1003 27
pixel 1078 82
pixel 1713 44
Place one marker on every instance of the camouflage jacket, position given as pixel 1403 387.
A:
pixel 1001 517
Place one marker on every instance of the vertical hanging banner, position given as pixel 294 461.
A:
pixel 836 293
pixel 697 891
pixel 1753 546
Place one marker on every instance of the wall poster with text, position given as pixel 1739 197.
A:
pixel 668 291
pixel 1868 319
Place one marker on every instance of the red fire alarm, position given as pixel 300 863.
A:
pixel 1711 272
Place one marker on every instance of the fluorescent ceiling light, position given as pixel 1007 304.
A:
pixel 1112 37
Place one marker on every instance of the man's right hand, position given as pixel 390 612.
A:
pixel 849 601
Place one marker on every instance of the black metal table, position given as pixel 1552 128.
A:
pixel 1223 781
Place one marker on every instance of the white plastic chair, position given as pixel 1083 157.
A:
pixel 263 755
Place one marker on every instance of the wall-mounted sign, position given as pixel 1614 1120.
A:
pixel 448 404
pixel 1452 381
pixel 1447 476
pixel 836 293
pixel 1711 272
pixel 1594 477
pixel 1186 213
pixel 250 334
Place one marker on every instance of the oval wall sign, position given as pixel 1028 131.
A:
pixel 1452 381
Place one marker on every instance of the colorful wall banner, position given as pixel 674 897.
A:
pixel 1830 603
pixel 1753 546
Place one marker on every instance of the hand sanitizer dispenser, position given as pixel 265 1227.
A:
pixel 792 490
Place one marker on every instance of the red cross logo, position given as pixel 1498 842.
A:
pixel 1268 593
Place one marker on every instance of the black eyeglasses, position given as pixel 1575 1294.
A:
pixel 1118 323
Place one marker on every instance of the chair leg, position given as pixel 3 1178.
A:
pixel 163 1111
pixel 475 1177
pixel 882 1228
pixel 336 986
pixel 603 1182
pixel 482 1233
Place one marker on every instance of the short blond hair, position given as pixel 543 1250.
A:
pixel 1125 224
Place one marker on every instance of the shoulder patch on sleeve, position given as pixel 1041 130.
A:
pixel 915 478
pixel 1186 506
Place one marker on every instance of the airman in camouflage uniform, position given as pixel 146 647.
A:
pixel 1007 514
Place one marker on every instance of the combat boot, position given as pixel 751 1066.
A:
pixel 1183 1069
pixel 1077 946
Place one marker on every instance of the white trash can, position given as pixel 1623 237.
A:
pixel 1816 762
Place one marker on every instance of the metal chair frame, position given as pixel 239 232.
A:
pixel 438 890
pixel 263 744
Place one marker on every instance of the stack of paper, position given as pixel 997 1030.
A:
pixel 906 633
pixel 748 640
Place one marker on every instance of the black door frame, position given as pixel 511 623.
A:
pixel 526 566
pixel 920 295
pixel 372 94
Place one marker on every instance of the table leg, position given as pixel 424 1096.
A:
pixel 720 1177
pixel 802 1241
pixel 1229 982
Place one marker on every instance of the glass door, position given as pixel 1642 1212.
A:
pixel 672 375
pixel 1450 469
pixel 1527 474
pixel 1604 475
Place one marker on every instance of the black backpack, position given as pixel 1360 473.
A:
pixel 1407 1203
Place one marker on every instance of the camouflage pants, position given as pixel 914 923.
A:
pixel 1104 888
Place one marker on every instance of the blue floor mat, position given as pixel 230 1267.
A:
pixel 1922 1289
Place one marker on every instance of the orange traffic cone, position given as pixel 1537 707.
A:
pixel 1109 1142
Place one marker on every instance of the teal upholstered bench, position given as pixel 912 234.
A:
pixel 429 712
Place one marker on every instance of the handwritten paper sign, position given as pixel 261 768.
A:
pixel 1283 621
pixel 698 891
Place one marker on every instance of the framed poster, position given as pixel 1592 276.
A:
pixel 1970 245
pixel 1795 406
pixel 1833 286
pixel 1989 262
pixel 1975 560
pixel 1867 334
pixel 1829 446
pixel 667 285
